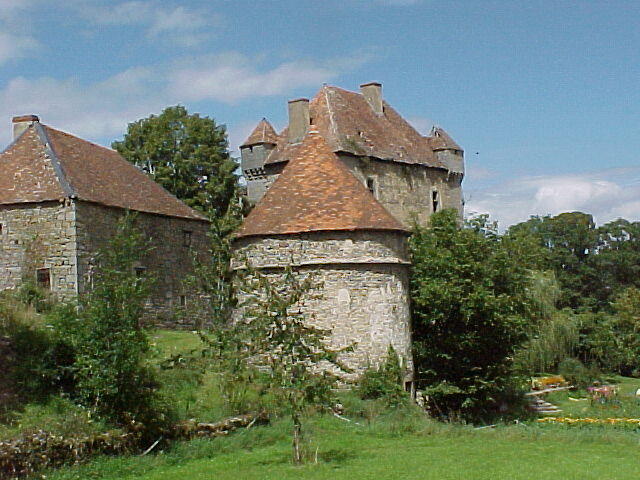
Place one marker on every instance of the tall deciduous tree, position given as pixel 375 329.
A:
pixel 469 310
pixel 187 154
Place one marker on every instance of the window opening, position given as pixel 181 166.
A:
pixel 183 300
pixel 435 200
pixel 140 271
pixel 371 186
pixel 43 278
pixel 186 238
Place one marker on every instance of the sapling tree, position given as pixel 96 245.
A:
pixel 281 339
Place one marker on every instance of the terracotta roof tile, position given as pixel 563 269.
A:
pixel 348 124
pixel 27 173
pixel 47 164
pixel 316 192
pixel 263 133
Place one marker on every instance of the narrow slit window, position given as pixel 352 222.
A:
pixel 186 238
pixel 183 300
pixel 435 200
pixel 43 278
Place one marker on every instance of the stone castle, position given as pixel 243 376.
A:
pixel 60 201
pixel 335 195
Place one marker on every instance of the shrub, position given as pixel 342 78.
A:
pixel 111 368
pixel 384 382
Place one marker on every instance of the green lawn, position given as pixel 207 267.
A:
pixel 388 450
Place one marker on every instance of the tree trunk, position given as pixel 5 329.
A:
pixel 297 433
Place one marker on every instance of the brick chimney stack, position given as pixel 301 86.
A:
pixel 372 92
pixel 21 123
pixel 299 119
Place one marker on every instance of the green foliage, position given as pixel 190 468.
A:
pixel 574 371
pixel 186 154
pixel 111 346
pixel 612 341
pixel 385 382
pixel 592 265
pixel 280 339
pixel 552 335
pixel 32 356
pixel 469 312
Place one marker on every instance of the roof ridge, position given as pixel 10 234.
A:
pixel 53 157
pixel 81 139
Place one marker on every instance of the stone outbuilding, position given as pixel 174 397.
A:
pixel 336 194
pixel 60 201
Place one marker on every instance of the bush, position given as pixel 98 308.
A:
pixel 111 368
pixel 577 374
pixel 384 382
pixel 470 309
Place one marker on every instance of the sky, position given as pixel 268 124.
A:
pixel 543 96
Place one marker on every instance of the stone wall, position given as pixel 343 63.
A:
pixel 363 295
pixel 169 261
pixel 407 191
pixel 36 236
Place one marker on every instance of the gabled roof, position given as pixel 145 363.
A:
pixel 263 133
pixel 45 164
pixel 349 124
pixel 316 192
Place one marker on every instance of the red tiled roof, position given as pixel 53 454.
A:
pixel 316 192
pixel 263 133
pixel 349 124
pixel 47 164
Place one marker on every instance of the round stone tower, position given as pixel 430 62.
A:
pixel 320 220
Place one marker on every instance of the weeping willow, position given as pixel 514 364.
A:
pixel 553 335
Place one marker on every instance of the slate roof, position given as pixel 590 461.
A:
pixel 263 133
pixel 316 192
pixel 45 164
pixel 349 124
pixel 440 140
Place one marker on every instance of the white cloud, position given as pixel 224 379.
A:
pixel 14 42
pixel 102 109
pixel 15 46
pixel 607 194
pixel 177 25
pixel 232 77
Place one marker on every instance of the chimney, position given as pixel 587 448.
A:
pixel 298 119
pixel 372 92
pixel 21 123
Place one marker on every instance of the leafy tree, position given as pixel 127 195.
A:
pixel 281 339
pixel 385 382
pixel 185 153
pixel 612 340
pixel 570 240
pixel 469 312
pixel 110 343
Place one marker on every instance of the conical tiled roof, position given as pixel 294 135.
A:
pixel 263 133
pixel 316 192
pixel 45 164
pixel 441 140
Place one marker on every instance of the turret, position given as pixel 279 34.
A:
pixel 254 151
pixel 447 151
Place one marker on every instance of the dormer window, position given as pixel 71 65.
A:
pixel 371 186
pixel 435 200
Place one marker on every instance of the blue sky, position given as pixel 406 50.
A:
pixel 542 95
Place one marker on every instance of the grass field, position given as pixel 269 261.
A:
pixel 408 448
pixel 401 444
